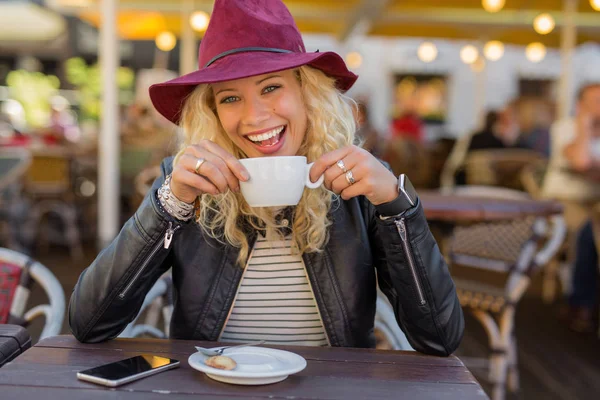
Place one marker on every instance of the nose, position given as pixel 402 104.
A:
pixel 255 111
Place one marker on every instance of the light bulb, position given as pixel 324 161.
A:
pixel 199 21
pixel 543 24
pixel 493 50
pixel 492 5
pixel 427 52
pixel 595 4
pixel 469 54
pixel 354 59
pixel 166 41
pixel 535 52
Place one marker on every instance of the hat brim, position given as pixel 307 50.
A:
pixel 169 97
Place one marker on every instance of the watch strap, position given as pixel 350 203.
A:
pixel 407 198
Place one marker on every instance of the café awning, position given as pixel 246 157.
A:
pixel 451 19
pixel 24 21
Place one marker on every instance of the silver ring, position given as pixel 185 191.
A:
pixel 198 165
pixel 350 178
pixel 342 166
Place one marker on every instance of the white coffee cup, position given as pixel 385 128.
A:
pixel 277 181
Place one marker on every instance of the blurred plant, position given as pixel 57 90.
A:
pixel 86 78
pixel 34 91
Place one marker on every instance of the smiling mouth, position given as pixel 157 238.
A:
pixel 268 139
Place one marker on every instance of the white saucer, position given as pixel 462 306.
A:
pixel 255 366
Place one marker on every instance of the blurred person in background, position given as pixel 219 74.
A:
pixel 509 129
pixel 573 178
pixel 366 134
pixel 408 125
pixel 535 117
pixel 581 311
pixel 489 136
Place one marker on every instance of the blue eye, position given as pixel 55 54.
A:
pixel 270 88
pixel 229 99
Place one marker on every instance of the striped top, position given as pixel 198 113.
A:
pixel 275 301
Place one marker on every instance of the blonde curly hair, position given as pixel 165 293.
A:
pixel 330 126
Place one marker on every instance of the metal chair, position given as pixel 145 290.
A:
pixel 512 252
pixel 157 303
pixel 499 167
pixel 48 185
pixel 13 164
pixel 17 274
pixel 386 327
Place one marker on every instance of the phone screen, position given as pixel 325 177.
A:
pixel 129 367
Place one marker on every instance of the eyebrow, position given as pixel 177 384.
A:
pixel 258 83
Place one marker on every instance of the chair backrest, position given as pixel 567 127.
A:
pixel 532 178
pixel 157 305
pixel 455 161
pixel 517 248
pixel 499 167
pixel 32 271
pixel 49 173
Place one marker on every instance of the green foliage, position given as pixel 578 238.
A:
pixel 86 78
pixel 34 91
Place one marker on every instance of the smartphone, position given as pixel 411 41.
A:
pixel 128 370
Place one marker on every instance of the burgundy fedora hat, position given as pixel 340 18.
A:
pixel 247 38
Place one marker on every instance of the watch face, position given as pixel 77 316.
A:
pixel 407 189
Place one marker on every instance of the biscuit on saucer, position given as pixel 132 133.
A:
pixel 221 362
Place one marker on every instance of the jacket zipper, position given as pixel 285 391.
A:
pixel 166 243
pixel 401 226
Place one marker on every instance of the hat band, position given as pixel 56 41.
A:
pixel 243 50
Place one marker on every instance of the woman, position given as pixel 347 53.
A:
pixel 300 275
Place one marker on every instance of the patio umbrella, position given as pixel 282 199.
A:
pixel 24 21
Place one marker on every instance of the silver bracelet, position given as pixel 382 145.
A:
pixel 176 208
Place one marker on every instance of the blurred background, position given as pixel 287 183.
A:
pixel 492 94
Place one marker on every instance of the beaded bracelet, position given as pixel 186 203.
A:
pixel 176 208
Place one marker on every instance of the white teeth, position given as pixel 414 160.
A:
pixel 266 135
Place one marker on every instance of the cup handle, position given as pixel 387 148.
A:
pixel 308 183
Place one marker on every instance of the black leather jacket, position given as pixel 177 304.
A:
pixel 399 254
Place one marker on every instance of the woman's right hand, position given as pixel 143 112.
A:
pixel 219 172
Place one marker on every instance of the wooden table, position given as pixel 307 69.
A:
pixel 456 208
pixel 445 211
pixel 48 371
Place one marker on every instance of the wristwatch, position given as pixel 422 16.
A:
pixel 407 198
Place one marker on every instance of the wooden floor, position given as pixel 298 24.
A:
pixel 555 363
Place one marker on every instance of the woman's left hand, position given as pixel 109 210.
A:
pixel 352 171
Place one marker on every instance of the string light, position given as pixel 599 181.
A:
pixel 544 24
pixel 535 52
pixel 199 21
pixel 354 60
pixel 469 54
pixel 492 5
pixel 427 52
pixel 493 50
pixel 166 41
